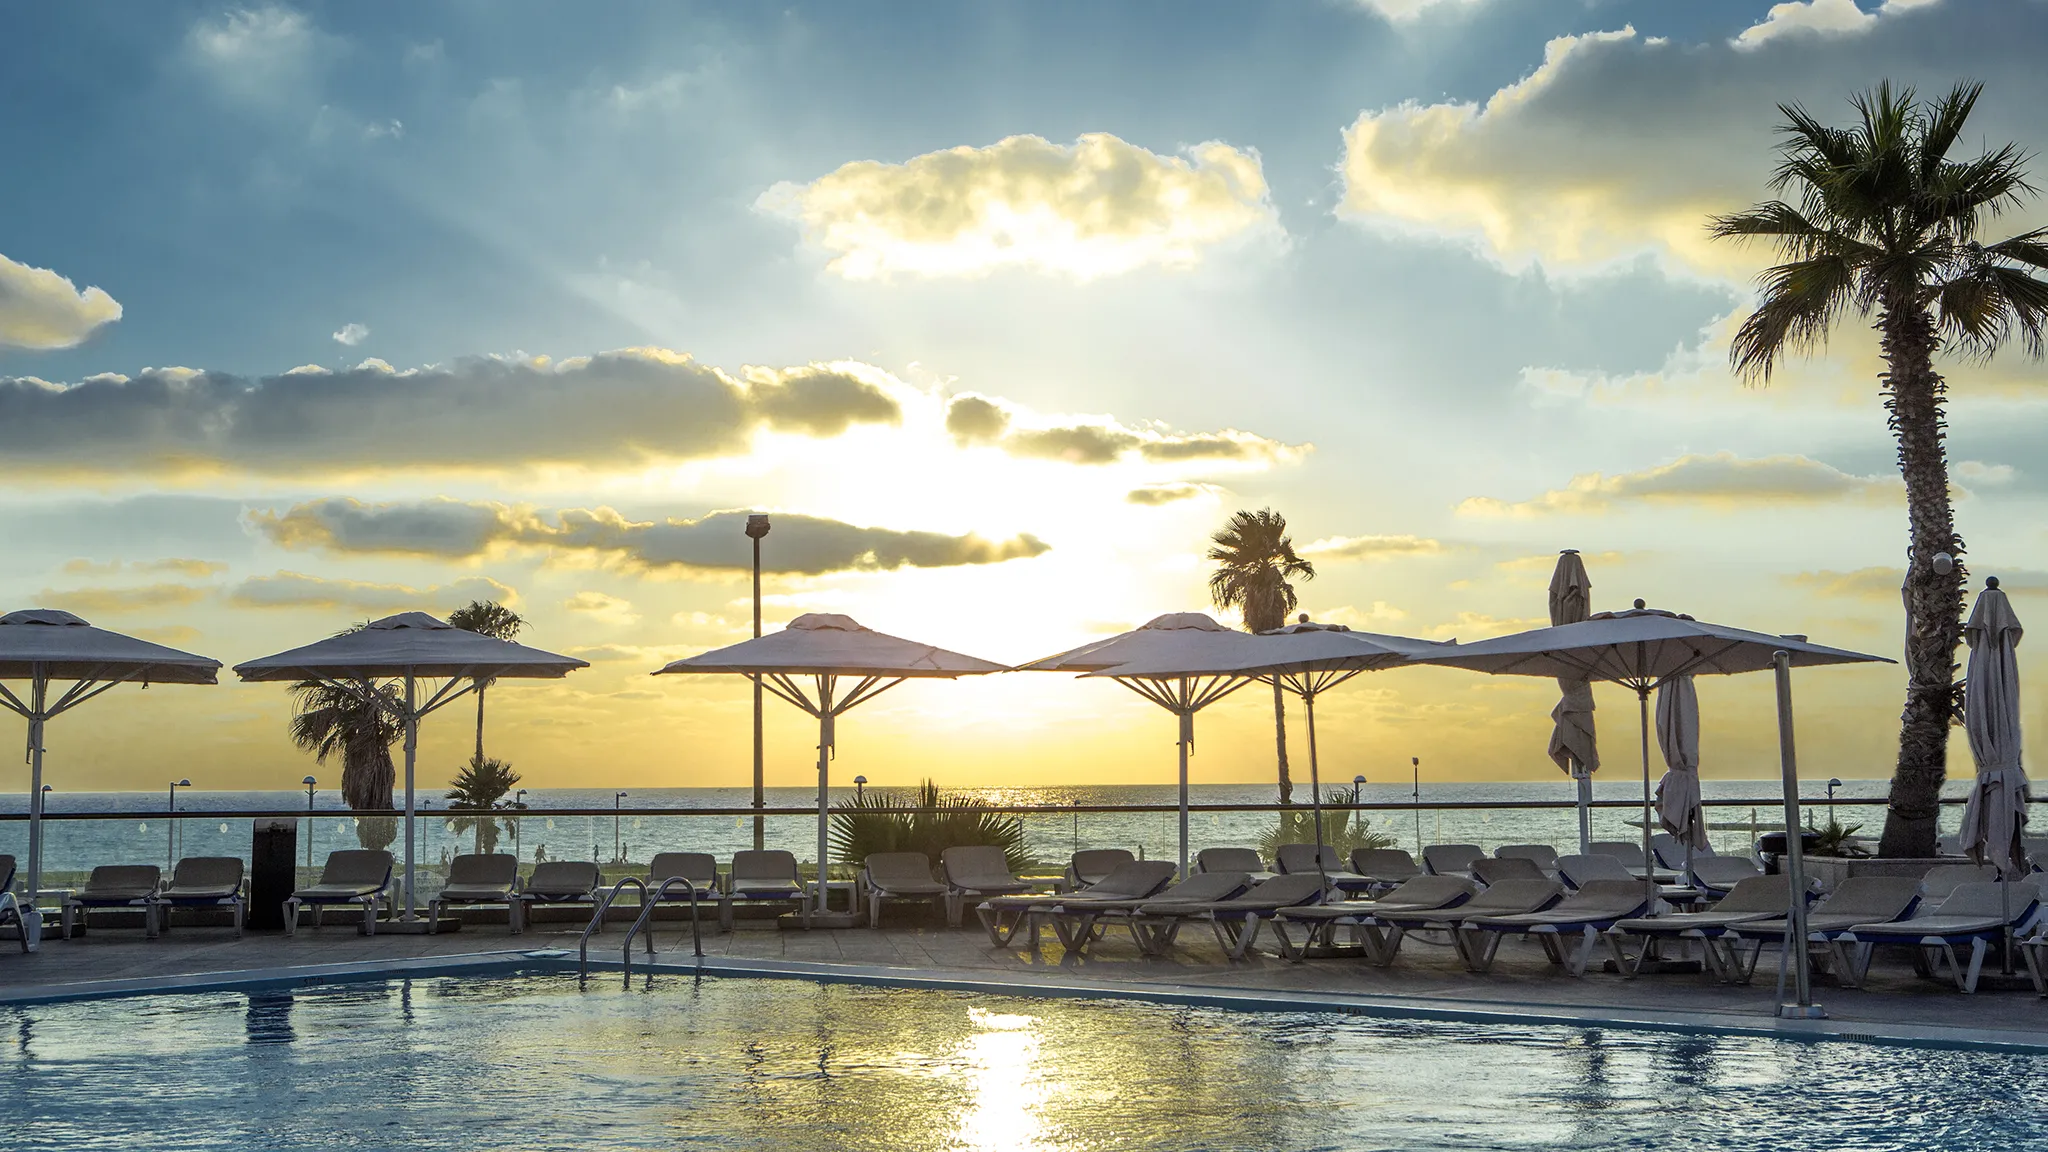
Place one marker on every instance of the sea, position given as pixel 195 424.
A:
pixel 129 827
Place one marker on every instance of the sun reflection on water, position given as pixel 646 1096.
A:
pixel 1001 1059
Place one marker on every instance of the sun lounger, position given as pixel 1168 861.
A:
pixel 359 876
pixel 1630 853
pixel 11 908
pixel 1857 900
pixel 1977 913
pixel 1090 865
pixel 559 883
pixel 116 886
pixel 1245 860
pixel 1451 859
pixel 1384 868
pixel 480 879
pixel 1716 876
pixel 1002 916
pixel 1754 899
pixel 1493 870
pixel 1080 922
pixel 1417 894
pixel 1943 878
pixel 1671 853
pixel 1301 859
pixel 1389 926
pixel 203 882
pixel 681 873
pixel 901 876
pixel 977 872
pixel 1235 921
pixel 1585 914
pixel 1543 855
pixel 764 876
pixel 1578 871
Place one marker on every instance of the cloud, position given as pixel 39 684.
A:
pixel 451 529
pixel 1880 583
pixel 298 590
pixel 603 607
pixel 1098 207
pixel 352 334
pixel 1986 475
pixel 1723 479
pixel 42 310
pixel 176 565
pixel 979 420
pixel 1617 144
pixel 1380 615
pixel 1409 11
pixel 253 54
pixel 176 635
pixel 1811 17
pixel 1156 494
pixel 113 601
pixel 489 414
pixel 1371 547
pixel 1480 626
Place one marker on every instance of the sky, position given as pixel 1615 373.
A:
pixel 313 313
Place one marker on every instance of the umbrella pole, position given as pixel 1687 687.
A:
pixel 1803 1007
pixel 1187 737
pixel 412 746
pixel 38 698
pixel 1649 855
pixel 1584 779
pixel 1315 783
pixel 825 736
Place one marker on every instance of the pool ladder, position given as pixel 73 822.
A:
pixel 649 900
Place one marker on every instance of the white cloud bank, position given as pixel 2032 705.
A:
pixel 1097 207
pixel 41 310
pixel 1722 480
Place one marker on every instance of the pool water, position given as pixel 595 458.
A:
pixel 535 1063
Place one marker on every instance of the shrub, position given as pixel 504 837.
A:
pixel 940 820
pixel 1342 829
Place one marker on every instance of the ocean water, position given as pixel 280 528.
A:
pixel 127 834
pixel 730 1063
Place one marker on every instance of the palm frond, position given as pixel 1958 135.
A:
pixel 1801 303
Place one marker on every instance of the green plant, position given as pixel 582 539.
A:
pixel 937 821
pixel 486 618
pixel 481 786
pixel 1343 829
pixel 1835 839
pixel 1255 558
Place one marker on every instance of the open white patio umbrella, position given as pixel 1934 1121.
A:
pixel 1309 659
pixel 409 647
pixel 1995 815
pixel 44 647
pixel 1678 736
pixel 823 647
pixel 1572 743
pixel 1182 661
pixel 1643 649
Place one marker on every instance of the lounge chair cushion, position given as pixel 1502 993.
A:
pixel 1974 907
pixel 1757 898
pixel 563 880
pixel 982 868
pixel 1504 868
pixel 1857 900
pixel 119 884
pixel 204 878
pixel 1090 865
pixel 1384 864
pixel 902 874
pixel 1266 896
pixel 1450 859
pixel 1599 901
pixel 1507 898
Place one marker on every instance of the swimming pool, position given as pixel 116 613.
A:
pixel 532 1062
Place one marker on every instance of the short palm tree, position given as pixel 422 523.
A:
pixel 1886 223
pixel 1255 561
pixel 331 720
pixel 480 787
pixel 487 618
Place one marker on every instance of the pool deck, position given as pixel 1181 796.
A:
pixel 1424 982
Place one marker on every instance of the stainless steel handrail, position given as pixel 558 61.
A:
pixel 597 921
pixel 649 902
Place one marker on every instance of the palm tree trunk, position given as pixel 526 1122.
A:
pixel 480 686
pixel 1933 601
pixel 1280 741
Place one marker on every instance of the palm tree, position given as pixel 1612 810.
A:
pixel 331 720
pixel 1255 560
pixel 488 618
pixel 1886 223
pixel 481 786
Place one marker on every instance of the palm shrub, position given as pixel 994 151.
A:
pixel 937 821
pixel 1343 829
pixel 480 787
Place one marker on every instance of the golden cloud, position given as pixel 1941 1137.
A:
pixel 1720 480
pixel 1371 547
pixel 603 607
pixel 298 590
pixel 1153 495
pixel 980 420
pixel 176 565
pixel 145 598
pixel 1098 207
pixel 42 310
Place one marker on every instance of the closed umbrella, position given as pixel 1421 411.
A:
pixel 408 648
pixel 1645 648
pixel 1182 661
pixel 1678 793
pixel 47 647
pixel 1995 815
pixel 825 647
pixel 1572 744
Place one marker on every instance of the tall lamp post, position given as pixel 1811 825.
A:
pixel 309 782
pixel 171 827
pixel 518 802
pixel 617 852
pixel 1415 764
pixel 757 527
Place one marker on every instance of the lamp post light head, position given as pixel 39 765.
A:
pixel 309 781
pixel 757 526
pixel 860 780
pixel 47 788
pixel 182 784
pixel 1835 782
